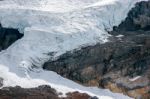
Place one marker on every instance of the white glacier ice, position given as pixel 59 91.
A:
pixel 52 27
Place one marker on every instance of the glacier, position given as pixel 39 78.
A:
pixel 51 28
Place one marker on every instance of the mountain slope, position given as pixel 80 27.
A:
pixel 122 65
pixel 50 31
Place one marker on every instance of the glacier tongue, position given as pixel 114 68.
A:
pixel 52 27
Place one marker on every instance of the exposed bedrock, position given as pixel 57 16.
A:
pixel 121 65
pixel 8 36
pixel 138 19
pixel 41 92
pixel 110 65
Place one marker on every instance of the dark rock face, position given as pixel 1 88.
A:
pixel 8 36
pixel 138 19
pixel 1 82
pixel 42 92
pixel 103 58
pixel 113 64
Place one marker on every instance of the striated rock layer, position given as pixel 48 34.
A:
pixel 121 65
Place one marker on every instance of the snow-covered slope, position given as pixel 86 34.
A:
pixel 52 27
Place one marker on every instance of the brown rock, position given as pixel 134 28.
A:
pixel 77 95
pixel 42 92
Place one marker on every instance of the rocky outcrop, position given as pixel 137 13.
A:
pixel 113 63
pixel 138 20
pixel 8 36
pixel 77 95
pixel 42 92
pixel 121 65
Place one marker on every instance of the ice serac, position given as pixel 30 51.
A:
pixel 52 27
pixel 50 31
